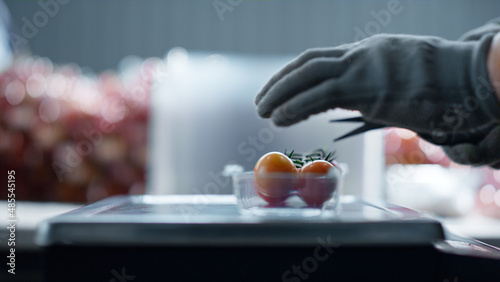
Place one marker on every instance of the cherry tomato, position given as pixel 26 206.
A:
pixel 318 166
pixel 314 187
pixel 275 176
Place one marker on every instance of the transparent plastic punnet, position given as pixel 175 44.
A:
pixel 288 194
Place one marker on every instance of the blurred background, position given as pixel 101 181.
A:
pixel 99 34
pixel 85 112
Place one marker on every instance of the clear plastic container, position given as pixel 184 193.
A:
pixel 287 194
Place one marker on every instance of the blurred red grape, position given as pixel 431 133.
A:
pixel 60 138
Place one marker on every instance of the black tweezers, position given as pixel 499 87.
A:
pixel 362 129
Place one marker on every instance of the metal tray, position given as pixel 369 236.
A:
pixel 214 220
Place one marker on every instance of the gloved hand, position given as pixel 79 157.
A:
pixel 437 88
pixel 487 150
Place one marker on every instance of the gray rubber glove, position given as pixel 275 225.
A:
pixel 437 88
pixel 487 150
pixel 484 152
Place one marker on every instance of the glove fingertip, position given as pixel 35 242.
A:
pixel 280 122
pixel 263 112
pixel 282 117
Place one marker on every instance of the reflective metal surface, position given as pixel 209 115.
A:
pixel 214 220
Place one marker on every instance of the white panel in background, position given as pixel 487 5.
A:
pixel 204 117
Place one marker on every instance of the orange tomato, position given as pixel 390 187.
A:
pixel 318 166
pixel 314 187
pixel 275 176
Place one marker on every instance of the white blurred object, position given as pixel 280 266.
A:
pixel 434 189
pixel 6 56
pixel 204 117
pixel 232 169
